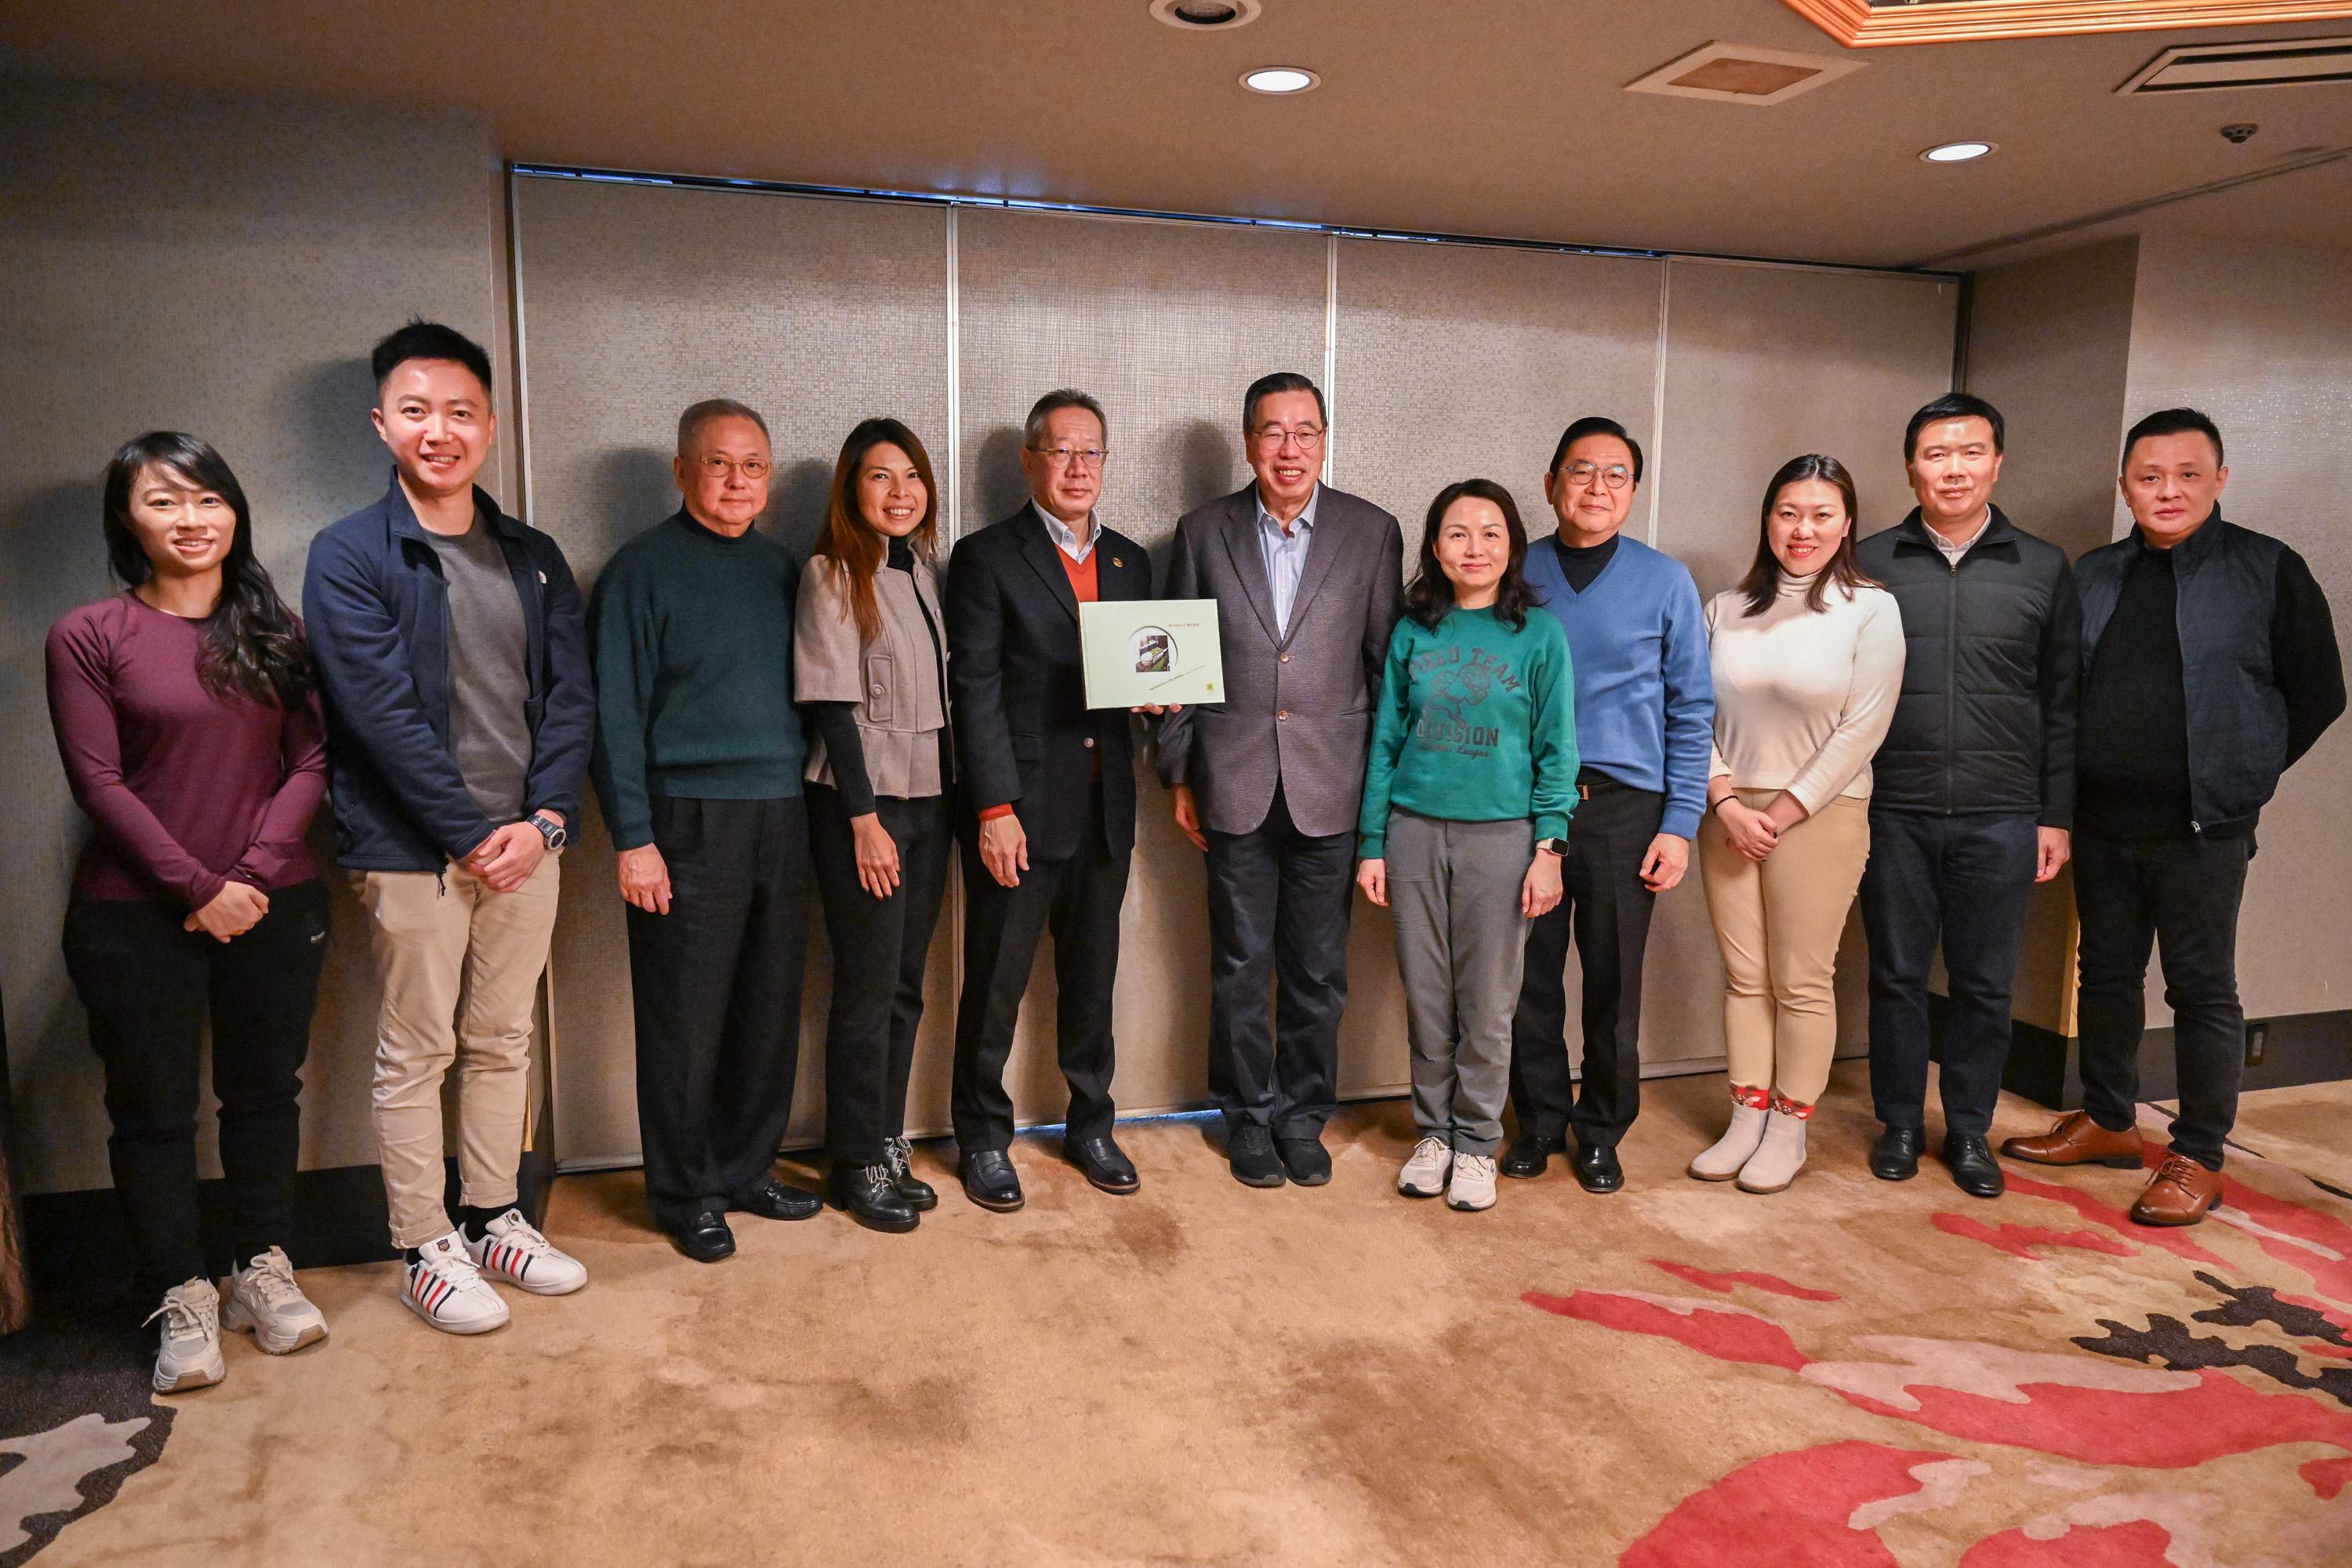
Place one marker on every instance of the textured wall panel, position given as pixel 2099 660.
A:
pixel 1167 325
pixel 1763 363
pixel 638 301
pixel 1457 361
pixel 222 267
pixel 2261 338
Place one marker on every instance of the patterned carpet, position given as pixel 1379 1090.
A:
pixel 1847 1374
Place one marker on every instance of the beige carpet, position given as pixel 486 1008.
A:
pixel 1848 1373
pixel 2308 1127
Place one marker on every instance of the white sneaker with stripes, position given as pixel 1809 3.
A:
pixel 444 1289
pixel 513 1250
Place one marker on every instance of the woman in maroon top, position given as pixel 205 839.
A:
pixel 190 731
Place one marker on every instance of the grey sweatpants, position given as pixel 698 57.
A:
pixel 1454 891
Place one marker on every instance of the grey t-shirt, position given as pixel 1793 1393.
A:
pixel 490 678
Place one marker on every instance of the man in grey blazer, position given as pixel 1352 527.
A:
pixel 1307 584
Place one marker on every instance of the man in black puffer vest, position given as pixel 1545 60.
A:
pixel 1974 789
pixel 2194 629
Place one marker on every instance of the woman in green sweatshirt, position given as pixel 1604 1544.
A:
pixel 1467 799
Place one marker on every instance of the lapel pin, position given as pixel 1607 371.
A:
pixel 1117 561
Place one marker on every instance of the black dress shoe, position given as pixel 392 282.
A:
pixel 990 1179
pixel 1530 1154
pixel 1896 1156
pixel 705 1237
pixel 1100 1160
pixel 870 1197
pixel 1974 1170
pixel 913 1191
pixel 1249 1149
pixel 1597 1170
pixel 1308 1162
pixel 773 1200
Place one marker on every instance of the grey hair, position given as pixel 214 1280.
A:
pixel 1033 429
pixel 690 423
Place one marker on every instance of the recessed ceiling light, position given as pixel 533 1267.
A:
pixel 1957 151
pixel 1281 79
pixel 1201 16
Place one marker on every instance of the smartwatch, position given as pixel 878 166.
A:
pixel 551 830
pixel 1552 846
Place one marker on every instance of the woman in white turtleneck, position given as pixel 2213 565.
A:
pixel 1808 661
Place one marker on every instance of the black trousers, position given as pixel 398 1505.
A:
pixel 879 949
pixel 1965 881
pixel 2184 894
pixel 1279 904
pixel 718 999
pixel 1605 907
pixel 150 987
pixel 1078 900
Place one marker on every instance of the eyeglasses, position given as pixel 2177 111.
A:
pixel 1616 476
pixel 719 467
pixel 1073 456
pixel 1308 437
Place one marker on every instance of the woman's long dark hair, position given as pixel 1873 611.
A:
pixel 1431 593
pixel 1762 583
pixel 856 549
pixel 252 645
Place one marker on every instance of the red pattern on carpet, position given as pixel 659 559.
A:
pixel 1721 1284
pixel 1786 1511
pixel 2019 1240
pixel 2140 1544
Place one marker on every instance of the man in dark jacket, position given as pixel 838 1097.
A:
pixel 1974 792
pixel 2209 665
pixel 453 656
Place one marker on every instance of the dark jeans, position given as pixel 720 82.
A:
pixel 2183 894
pixel 1604 906
pixel 718 999
pixel 879 950
pixel 1078 900
pixel 150 987
pixel 1279 904
pixel 1964 880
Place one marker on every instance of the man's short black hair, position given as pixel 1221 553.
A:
pixel 1953 405
pixel 2175 422
pixel 1595 425
pixel 1280 381
pixel 429 340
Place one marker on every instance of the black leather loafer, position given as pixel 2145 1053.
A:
pixel 1974 1170
pixel 1597 1170
pixel 915 1193
pixel 705 1237
pixel 870 1197
pixel 773 1200
pixel 1308 1162
pixel 1896 1156
pixel 990 1180
pixel 1249 1149
pixel 1100 1161
pixel 1530 1154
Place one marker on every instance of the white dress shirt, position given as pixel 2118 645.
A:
pixel 1064 537
pixel 1286 553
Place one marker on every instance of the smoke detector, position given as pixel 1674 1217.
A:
pixel 1742 73
pixel 1206 16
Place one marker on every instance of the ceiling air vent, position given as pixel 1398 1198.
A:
pixel 1740 73
pixel 2202 68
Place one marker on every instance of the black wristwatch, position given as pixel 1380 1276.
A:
pixel 549 829
pixel 1552 846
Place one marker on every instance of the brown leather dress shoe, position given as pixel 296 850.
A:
pixel 2075 1140
pixel 2180 1192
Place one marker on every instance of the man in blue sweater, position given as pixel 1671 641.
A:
pixel 1645 724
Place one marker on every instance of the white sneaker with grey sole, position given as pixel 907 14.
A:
pixel 189 1354
pixel 512 1249
pixel 1424 1172
pixel 1472 1184
pixel 264 1301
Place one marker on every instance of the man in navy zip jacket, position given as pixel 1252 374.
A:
pixel 2210 667
pixel 452 653
pixel 1973 790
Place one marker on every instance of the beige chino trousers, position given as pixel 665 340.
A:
pixel 1777 922
pixel 460 965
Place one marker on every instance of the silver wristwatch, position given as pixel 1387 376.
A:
pixel 551 830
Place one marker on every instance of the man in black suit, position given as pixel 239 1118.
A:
pixel 1049 787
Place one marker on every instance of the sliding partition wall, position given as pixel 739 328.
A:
pixel 1442 361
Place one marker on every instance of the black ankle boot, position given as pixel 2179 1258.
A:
pixel 917 1194
pixel 870 1197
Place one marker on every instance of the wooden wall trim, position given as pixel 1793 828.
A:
pixel 1859 25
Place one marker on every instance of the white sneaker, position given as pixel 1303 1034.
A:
pixel 264 1301
pixel 444 1289
pixel 189 1355
pixel 1425 1174
pixel 1472 1184
pixel 512 1249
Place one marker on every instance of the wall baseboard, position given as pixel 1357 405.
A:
pixel 2046 1066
